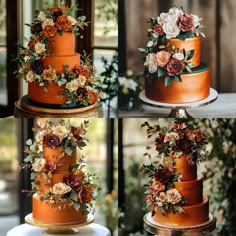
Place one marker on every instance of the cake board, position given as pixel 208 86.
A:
pixel 179 110
pixel 27 109
pixel 162 230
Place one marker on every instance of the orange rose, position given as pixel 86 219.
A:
pixel 157 187
pixel 49 74
pixel 80 70
pixel 54 9
pixel 63 23
pixel 92 97
pixel 85 194
pixel 49 31
pixel 32 43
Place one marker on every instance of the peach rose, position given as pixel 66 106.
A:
pixel 150 198
pixel 82 80
pixel 92 97
pixel 60 131
pixel 49 31
pixel 63 23
pixel 173 196
pixel 30 77
pixel 49 74
pixel 162 197
pixel 157 187
pixel 48 22
pixel 85 194
pixel 60 189
pixel 39 165
pixel 162 58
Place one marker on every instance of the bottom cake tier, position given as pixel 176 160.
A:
pixel 193 215
pixel 48 214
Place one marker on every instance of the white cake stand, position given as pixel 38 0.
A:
pixel 161 230
pixel 179 110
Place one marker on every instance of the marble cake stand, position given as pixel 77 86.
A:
pixel 179 110
pixel 161 230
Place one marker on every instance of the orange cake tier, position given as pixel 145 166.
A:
pixel 188 172
pixel 191 190
pixel 193 215
pixel 58 62
pixel 47 214
pixel 195 86
pixel 57 156
pixel 189 44
pixel 53 95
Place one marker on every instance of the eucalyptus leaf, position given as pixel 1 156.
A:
pixel 29 158
pixel 74 196
pixel 68 151
pixel 29 142
pixel 76 206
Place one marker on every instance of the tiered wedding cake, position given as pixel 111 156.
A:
pixel 174 72
pixel 174 191
pixel 64 189
pixel 55 73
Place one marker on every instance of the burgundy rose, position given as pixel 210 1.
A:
pixel 81 93
pixel 174 67
pixel 185 23
pixel 56 14
pixel 159 140
pixel 51 140
pixel 158 29
pixel 164 176
pixel 36 28
pixel 37 67
pixel 50 167
pixel 74 181
pixel 85 194
pixel 183 144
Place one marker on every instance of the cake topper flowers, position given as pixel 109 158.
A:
pixel 163 60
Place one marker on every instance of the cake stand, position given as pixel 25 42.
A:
pixel 59 228
pixel 162 230
pixel 179 110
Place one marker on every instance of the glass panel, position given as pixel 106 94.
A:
pixel 105 23
pixel 3 54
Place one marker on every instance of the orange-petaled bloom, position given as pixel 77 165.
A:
pixel 49 31
pixel 85 194
pixel 49 74
pixel 63 23
pixel 32 43
pixel 54 9
pixel 92 97
pixel 81 70
pixel 65 9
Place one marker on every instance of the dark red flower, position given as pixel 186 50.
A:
pixel 158 29
pixel 77 132
pixel 85 194
pixel 159 140
pixel 176 127
pixel 50 167
pixel 164 176
pixel 183 145
pixel 36 28
pixel 51 140
pixel 74 181
pixel 174 67
pixel 37 67
pixel 186 23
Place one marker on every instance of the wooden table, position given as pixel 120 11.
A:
pixel 223 107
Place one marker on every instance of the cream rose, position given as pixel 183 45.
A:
pixel 173 196
pixel 82 80
pixel 39 164
pixel 60 189
pixel 60 131
pixel 162 18
pixel 151 62
pixel 72 20
pixel 174 14
pixel 39 48
pixel 171 136
pixel 30 77
pixel 162 197
pixel 179 56
pixel 171 30
pixel 162 58
pixel 48 22
pixel 41 16
pixel 72 86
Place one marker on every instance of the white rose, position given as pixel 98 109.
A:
pixel 151 62
pixel 39 164
pixel 196 20
pixel 48 22
pixel 82 80
pixel 171 30
pixel 72 86
pixel 72 20
pixel 39 48
pixel 60 131
pixel 30 77
pixel 173 196
pixel 171 136
pixel 179 56
pixel 175 11
pixel 162 18
pixel 60 189
pixel 42 16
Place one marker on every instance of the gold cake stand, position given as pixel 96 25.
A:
pixel 161 230
pixel 179 110
pixel 59 229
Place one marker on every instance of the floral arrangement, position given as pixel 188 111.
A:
pixel 178 138
pixel 79 83
pixel 163 61
pixel 161 194
pixel 77 188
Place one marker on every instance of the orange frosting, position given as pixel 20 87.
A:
pixel 52 96
pixel 191 190
pixel 193 215
pixel 194 87
pixel 189 44
pixel 59 61
pixel 47 214
pixel 63 161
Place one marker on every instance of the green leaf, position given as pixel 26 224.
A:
pixel 168 81
pixel 32 148
pixel 33 176
pixel 74 196
pixel 190 54
pixel 29 158
pixel 178 78
pixel 160 72
pixel 29 142
pixel 76 206
pixel 82 144
pixel 68 151
pixel 142 49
